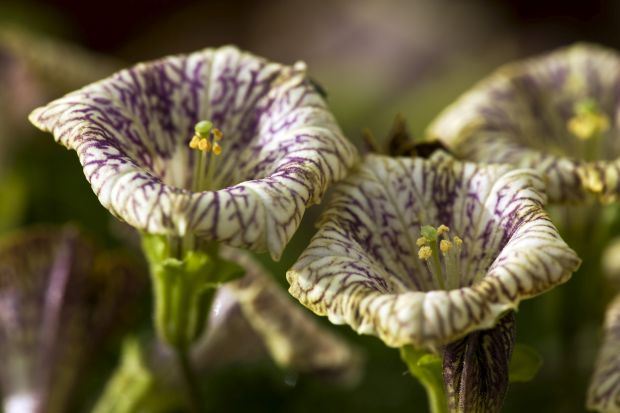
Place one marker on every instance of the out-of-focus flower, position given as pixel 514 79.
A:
pixel 293 339
pixel 604 392
pixel 556 113
pixel 281 147
pixel 423 252
pixel 60 300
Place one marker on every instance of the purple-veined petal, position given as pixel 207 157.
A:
pixel 282 147
pixel 520 115
pixel 604 392
pixel 60 300
pixel 362 267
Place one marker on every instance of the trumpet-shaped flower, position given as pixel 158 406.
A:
pixel 219 144
pixel 604 392
pixel 60 300
pixel 423 252
pixel 556 113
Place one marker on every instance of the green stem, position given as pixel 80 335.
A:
pixel 429 377
pixel 192 389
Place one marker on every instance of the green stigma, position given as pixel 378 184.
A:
pixel 203 128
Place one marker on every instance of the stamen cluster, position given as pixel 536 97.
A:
pixel 589 121
pixel 434 245
pixel 206 138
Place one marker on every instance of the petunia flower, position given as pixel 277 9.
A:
pixel 61 300
pixel 556 113
pixel 604 392
pixel 421 252
pixel 273 147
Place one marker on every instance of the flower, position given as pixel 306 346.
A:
pixel 604 391
pixel 556 113
pixel 423 252
pixel 60 300
pixel 281 147
pixel 292 338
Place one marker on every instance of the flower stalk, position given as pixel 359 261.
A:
pixel 426 368
pixel 184 285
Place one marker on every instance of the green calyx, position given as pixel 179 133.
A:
pixel 184 288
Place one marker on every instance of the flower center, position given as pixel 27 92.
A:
pixel 441 254
pixel 588 124
pixel 206 141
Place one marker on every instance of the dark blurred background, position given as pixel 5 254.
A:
pixel 375 59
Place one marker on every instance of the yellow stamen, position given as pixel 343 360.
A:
pixel 204 145
pixel 457 241
pixel 217 149
pixel 445 246
pixel 442 229
pixel 588 122
pixel 194 142
pixel 421 241
pixel 425 253
pixel 217 134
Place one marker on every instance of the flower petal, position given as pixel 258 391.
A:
pixel 292 337
pixel 282 147
pixel 361 268
pixel 519 115
pixel 604 392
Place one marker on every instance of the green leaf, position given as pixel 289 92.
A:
pixel 525 363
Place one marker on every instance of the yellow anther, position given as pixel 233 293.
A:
pixel 445 246
pixel 457 241
pixel 421 242
pixel 442 229
pixel 588 121
pixel 194 142
pixel 217 149
pixel 204 145
pixel 217 134
pixel 425 253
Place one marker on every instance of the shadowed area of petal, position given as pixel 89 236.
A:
pixel 282 147
pixel 290 335
pixel 604 392
pixel 526 114
pixel 363 268
pixel 60 299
